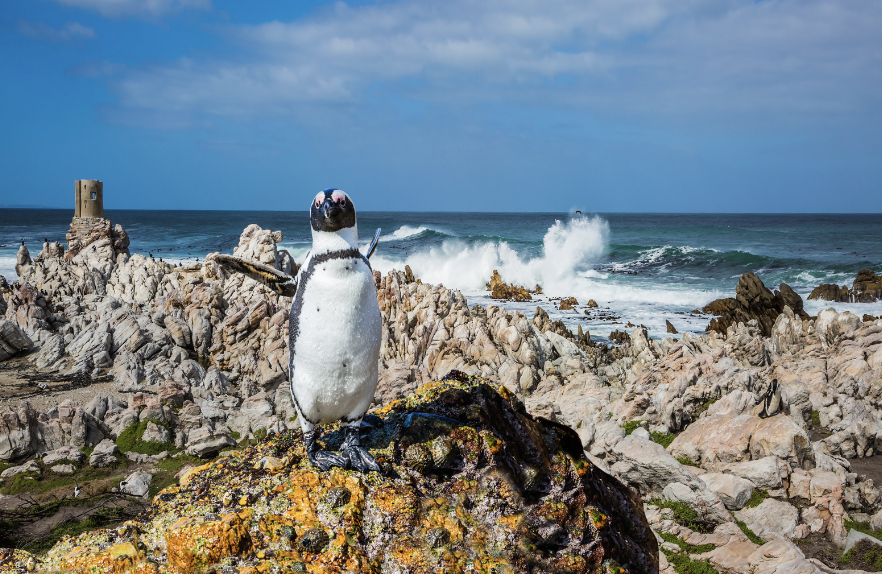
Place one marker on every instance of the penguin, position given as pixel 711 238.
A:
pixel 772 399
pixel 334 329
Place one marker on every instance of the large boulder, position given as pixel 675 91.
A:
pixel 753 300
pixel 647 467
pixel 768 472
pixel 866 288
pixel 771 518
pixel 517 496
pixel 732 490
pixel 12 340
pixel 738 438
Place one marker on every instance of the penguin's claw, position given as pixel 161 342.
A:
pixel 360 459
pixel 325 459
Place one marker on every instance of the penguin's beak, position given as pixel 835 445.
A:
pixel 330 209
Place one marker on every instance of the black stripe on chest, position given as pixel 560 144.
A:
pixel 297 304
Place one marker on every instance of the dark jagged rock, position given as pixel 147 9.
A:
pixel 753 300
pixel 515 495
pixel 619 337
pixel 670 327
pixel 499 289
pixel 867 288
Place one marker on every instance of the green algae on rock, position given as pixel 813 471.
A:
pixel 506 493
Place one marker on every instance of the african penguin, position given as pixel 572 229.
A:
pixel 335 329
pixel 772 399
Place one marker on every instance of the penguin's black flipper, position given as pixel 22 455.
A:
pixel 373 244
pixel 358 457
pixel 281 283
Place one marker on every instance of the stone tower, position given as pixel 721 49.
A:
pixel 90 198
pixel 90 230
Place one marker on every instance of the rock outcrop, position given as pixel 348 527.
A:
pixel 753 301
pixel 499 289
pixel 866 288
pixel 96 238
pixel 471 483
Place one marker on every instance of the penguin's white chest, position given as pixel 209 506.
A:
pixel 337 341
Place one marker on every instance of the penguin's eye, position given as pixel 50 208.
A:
pixel 339 198
pixel 319 199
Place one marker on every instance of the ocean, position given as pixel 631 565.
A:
pixel 639 268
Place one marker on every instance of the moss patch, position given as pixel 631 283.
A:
pixel 684 516
pixel 131 439
pixel 31 483
pixel 756 498
pixel 863 527
pixel 816 419
pixel 686 461
pixel 749 533
pixel 683 564
pixel 685 546
pixel 706 405
pixel 863 556
pixel 631 426
pixel 662 438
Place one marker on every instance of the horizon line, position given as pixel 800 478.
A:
pixel 365 211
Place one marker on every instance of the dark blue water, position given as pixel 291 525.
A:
pixel 646 268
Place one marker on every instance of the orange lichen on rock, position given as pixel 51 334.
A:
pixel 123 558
pixel 194 543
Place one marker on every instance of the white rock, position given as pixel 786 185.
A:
pixel 204 441
pixel 103 455
pixel 155 433
pixel 771 518
pixel 136 484
pixel 767 472
pixel 30 466
pixel 64 453
pixel 641 433
pixel 63 469
pixel 649 468
pixel 732 490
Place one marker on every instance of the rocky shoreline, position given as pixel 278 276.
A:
pixel 191 362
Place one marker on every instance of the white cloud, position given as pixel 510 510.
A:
pixel 149 9
pixel 616 56
pixel 70 31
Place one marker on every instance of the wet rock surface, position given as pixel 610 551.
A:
pixel 753 301
pixel 866 288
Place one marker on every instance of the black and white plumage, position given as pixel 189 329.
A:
pixel 772 399
pixel 335 329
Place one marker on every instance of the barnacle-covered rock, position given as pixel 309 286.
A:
pixel 509 493
pixel 338 496
pixel 314 540
pixel 419 458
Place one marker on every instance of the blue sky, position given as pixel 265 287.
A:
pixel 454 105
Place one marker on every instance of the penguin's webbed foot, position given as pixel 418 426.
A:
pixel 358 457
pixel 323 459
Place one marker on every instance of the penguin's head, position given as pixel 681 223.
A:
pixel 331 211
